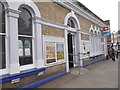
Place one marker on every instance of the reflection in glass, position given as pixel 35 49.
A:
pixel 25 28
pixel 2 52
pixel 27 57
pixel 27 48
pixel 2 37
pixel 20 44
pixel 71 23
pixel 2 18
pixel 25 22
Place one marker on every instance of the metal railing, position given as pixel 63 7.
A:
pixel 80 60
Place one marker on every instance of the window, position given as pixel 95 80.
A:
pixel 25 37
pixel 54 51
pixel 71 23
pixel 92 42
pixel 2 37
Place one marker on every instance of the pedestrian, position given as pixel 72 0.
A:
pixel 118 50
pixel 111 52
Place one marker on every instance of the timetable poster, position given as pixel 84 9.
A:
pixel 60 51
pixel 50 52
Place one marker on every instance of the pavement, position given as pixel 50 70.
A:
pixel 99 75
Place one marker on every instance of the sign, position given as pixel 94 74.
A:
pixel 60 51
pixel 50 52
pixel 54 51
pixel 106 31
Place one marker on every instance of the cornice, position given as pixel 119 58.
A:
pixel 80 11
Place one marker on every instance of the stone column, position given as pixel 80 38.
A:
pixel 12 26
pixel 66 51
pixel 38 43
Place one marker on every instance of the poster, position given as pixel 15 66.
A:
pixel 50 52
pixel 60 51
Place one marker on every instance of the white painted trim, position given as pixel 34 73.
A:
pixel 30 3
pixel 50 23
pixel 12 14
pixel 80 11
pixel 36 37
pixel 66 50
pixel 27 67
pixel 26 36
pixel 56 63
pixel 86 33
pixel 38 44
pixel 72 15
pixel 76 37
pixel 3 71
pixel 3 34
pixel 85 41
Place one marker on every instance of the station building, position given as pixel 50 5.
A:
pixel 42 39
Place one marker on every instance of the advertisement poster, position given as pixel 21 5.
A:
pixel 60 51
pixel 50 52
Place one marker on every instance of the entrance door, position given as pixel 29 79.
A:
pixel 70 49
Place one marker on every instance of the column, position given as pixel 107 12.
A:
pixel 78 47
pixel 66 50
pixel 39 62
pixel 13 40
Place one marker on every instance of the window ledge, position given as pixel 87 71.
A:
pixel 56 63
pixel 8 77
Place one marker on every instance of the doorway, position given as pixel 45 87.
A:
pixel 71 49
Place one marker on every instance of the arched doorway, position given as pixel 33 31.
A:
pixel 72 40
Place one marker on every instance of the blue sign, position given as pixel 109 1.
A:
pixel 106 32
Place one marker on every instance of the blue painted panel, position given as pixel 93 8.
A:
pixel 20 75
pixel 41 82
pixel 94 62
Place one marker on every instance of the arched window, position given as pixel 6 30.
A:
pixel 71 23
pixel 25 35
pixel 2 37
pixel 95 43
pixel 99 42
pixel 92 41
pixel 25 22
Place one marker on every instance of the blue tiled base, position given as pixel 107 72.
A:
pixel 41 82
pixel 102 59
pixel 22 74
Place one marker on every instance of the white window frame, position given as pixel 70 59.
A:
pixel 5 71
pixel 11 16
pixel 30 66
pixel 87 42
pixel 47 38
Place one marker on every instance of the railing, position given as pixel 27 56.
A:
pixel 80 59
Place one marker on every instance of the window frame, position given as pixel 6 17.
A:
pixel 5 70
pixel 92 36
pixel 47 38
pixel 29 66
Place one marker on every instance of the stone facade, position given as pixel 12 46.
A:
pixel 84 37
pixel 52 11
pixel 47 30
pixel 52 24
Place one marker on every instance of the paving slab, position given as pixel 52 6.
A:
pixel 101 75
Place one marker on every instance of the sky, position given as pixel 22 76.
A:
pixel 105 9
